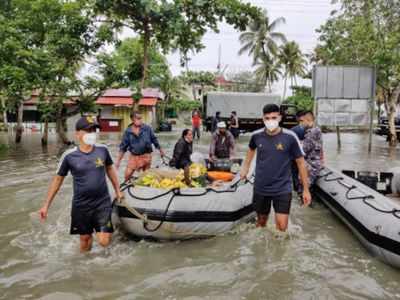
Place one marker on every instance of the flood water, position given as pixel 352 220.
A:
pixel 320 259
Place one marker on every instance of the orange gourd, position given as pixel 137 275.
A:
pixel 220 175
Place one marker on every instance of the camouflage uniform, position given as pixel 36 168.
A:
pixel 312 147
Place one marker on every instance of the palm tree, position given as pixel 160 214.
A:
pixel 294 63
pixel 268 71
pixel 262 38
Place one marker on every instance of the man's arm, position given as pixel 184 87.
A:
pixel 119 159
pixel 301 165
pixel 122 149
pixel 51 193
pixel 113 176
pixel 232 147
pixel 155 142
pixel 212 146
pixel 247 162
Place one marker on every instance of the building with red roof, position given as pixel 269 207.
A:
pixel 115 106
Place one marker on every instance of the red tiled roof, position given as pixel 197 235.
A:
pixel 148 101
pixel 114 101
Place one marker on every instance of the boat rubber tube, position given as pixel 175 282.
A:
pixel 372 217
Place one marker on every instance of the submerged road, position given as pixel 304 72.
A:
pixel 320 259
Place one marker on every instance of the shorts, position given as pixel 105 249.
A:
pixel 89 221
pixel 281 203
pixel 139 162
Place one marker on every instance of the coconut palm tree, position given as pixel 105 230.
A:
pixel 294 63
pixel 261 38
pixel 268 70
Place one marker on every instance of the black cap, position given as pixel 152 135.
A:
pixel 87 122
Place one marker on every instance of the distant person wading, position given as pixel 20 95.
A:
pixel 196 123
pixel 138 139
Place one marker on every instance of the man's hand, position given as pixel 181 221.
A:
pixel 306 198
pixel 243 173
pixel 119 196
pixel 43 213
pixel 117 164
pixel 162 153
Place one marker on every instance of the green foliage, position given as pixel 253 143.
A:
pixel 178 24
pixel 293 61
pixel 201 78
pixel 301 98
pixel 127 62
pixel 366 32
pixel 268 70
pixel 3 148
pixel 261 38
pixel 245 81
pixel 183 105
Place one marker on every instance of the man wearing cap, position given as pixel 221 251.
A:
pixel 222 143
pixel 88 163
pixel 138 140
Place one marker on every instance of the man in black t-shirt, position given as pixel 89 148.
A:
pixel 276 149
pixel 89 163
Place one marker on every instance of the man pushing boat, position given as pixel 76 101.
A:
pixel 276 149
pixel 89 163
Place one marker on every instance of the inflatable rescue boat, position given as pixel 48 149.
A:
pixel 184 213
pixel 373 217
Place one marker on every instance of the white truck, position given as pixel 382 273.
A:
pixel 248 107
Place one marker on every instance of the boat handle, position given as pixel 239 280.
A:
pixel 333 193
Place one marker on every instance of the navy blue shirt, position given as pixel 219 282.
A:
pixel 139 144
pixel 89 176
pixel 275 154
pixel 299 131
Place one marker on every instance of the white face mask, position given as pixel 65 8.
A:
pixel 89 138
pixel 271 124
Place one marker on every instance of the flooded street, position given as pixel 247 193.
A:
pixel 320 259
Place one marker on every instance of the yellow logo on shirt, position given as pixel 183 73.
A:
pixel 279 147
pixel 99 162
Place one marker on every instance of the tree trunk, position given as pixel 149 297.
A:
pixel 146 44
pixel 391 116
pixel 284 87
pixel 5 120
pixel 61 129
pixel 20 127
pixel 45 133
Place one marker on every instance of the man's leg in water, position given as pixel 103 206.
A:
pixel 261 220
pixel 281 221
pixel 104 238
pixel 86 241
pixel 262 206
pixel 282 205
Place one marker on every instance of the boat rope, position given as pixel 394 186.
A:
pixel 364 198
pixel 129 184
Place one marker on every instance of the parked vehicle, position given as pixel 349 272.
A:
pixel 383 127
pixel 248 107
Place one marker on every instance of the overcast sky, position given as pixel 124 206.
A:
pixel 303 17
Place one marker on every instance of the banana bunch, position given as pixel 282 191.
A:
pixel 196 170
